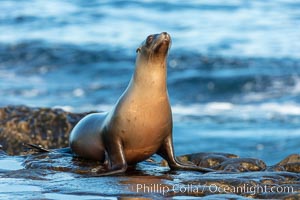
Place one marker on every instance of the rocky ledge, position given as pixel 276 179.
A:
pixel 57 174
pixel 44 126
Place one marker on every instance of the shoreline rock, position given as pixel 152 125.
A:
pixel 236 178
pixel 151 180
pixel 44 126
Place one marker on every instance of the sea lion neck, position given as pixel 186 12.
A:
pixel 150 76
pixel 151 63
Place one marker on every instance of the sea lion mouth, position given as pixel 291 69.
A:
pixel 162 42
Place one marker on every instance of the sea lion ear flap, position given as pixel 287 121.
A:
pixel 138 50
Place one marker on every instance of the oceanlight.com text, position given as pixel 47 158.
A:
pixel 213 189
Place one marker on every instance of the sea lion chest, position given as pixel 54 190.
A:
pixel 142 123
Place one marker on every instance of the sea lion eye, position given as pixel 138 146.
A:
pixel 149 39
pixel 138 50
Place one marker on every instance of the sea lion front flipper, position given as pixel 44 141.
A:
pixel 166 151
pixel 116 158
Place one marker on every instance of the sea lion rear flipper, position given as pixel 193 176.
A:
pixel 39 148
pixel 36 147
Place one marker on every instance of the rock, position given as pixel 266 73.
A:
pixel 57 172
pixel 294 158
pixel 209 160
pixel 224 161
pixel 62 162
pixel 149 179
pixel 242 165
pixel 290 164
pixel 44 126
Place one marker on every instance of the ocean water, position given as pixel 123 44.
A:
pixel 233 69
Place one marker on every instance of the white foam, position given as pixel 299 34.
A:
pixel 284 109
pixel 65 108
pixel 212 108
pixel 296 87
pixel 31 92
pixel 226 108
pixel 78 92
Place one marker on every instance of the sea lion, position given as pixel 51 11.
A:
pixel 140 123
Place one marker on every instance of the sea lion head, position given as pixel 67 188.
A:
pixel 154 49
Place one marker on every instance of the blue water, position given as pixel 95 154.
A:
pixel 233 75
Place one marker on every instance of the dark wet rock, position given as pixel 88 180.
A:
pixel 63 162
pixel 290 164
pixel 60 174
pixel 254 182
pixel 44 126
pixel 224 162
pixel 294 158
pixel 209 160
pixel 242 165
pixel 150 180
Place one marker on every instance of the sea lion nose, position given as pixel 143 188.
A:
pixel 166 35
